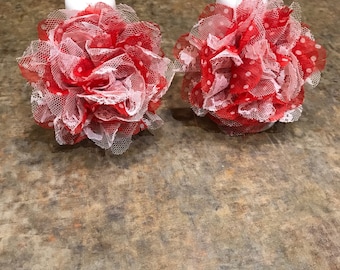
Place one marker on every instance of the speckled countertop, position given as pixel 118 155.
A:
pixel 186 197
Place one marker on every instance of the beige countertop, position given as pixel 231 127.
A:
pixel 185 196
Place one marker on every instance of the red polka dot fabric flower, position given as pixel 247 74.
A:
pixel 246 67
pixel 97 74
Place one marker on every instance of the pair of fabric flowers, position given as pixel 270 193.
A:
pixel 100 73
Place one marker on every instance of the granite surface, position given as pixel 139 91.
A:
pixel 185 196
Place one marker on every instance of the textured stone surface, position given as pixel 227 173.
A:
pixel 184 197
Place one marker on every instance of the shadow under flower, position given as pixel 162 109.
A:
pixel 189 118
pixel 46 136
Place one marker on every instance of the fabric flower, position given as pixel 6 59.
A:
pixel 98 74
pixel 246 67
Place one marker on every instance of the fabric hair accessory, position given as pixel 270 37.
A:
pixel 97 73
pixel 246 63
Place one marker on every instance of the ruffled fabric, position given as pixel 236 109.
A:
pixel 98 74
pixel 246 67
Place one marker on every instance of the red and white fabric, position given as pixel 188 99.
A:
pixel 246 67
pixel 99 73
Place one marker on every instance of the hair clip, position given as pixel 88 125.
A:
pixel 246 63
pixel 97 72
